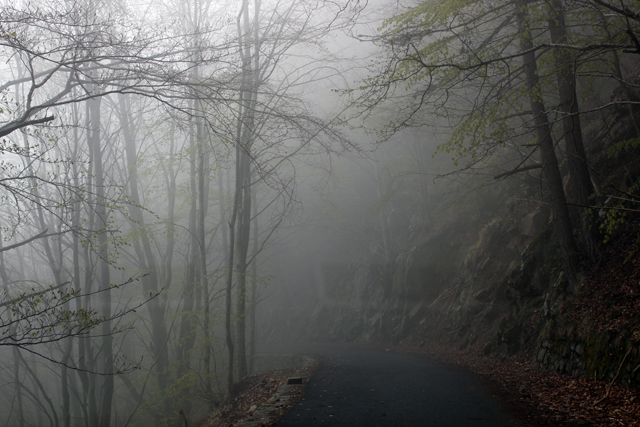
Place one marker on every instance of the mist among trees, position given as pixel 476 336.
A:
pixel 179 178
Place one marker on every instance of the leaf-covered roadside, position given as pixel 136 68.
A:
pixel 610 299
pixel 253 392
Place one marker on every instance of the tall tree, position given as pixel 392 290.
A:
pixel 145 252
pixel 580 179
pixel 471 67
pixel 550 169
pixel 272 123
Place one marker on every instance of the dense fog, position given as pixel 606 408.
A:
pixel 185 182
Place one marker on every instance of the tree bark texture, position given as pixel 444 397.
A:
pixel 249 35
pixel 104 277
pixel 550 171
pixel 580 179
pixel 189 323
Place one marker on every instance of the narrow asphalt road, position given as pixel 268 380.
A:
pixel 360 387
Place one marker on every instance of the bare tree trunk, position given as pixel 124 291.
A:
pixel 171 204
pixel 16 355
pixel 104 278
pixel 54 414
pixel 229 285
pixel 85 347
pixel 75 224
pixel 580 179
pixel 188 324
pixel 550 171
pixel 244 229
pixel 78 410
pixel 55 264
pixel 241 200
pixel 203 197
pixel 249 36
pixel 17 389
pixel 64 384
pixel 150 281
pixel 254 285
pixel 223 212
pixel 35 391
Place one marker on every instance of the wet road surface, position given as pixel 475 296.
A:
pixel 360 387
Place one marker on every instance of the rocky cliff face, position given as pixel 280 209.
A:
pixel 448 279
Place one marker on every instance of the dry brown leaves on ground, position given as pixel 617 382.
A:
pixel 253 390
pixel 256 390
pixel 611 294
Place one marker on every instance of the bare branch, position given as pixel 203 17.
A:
pixel 24 242
pixel 8 128
pixel 518 170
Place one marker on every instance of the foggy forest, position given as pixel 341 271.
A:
pixel 185 184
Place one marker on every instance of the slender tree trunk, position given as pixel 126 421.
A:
pixel 250 53
pixel 17 389
pixel 35 391
pixel 171 204
pixel 228 237
pixel 75 224
pixel 16 355
pixel 229 285
pixel 580 179
pixel 55 264
pixel 85 350
pixel 223 212
pixel 550 171
pixel 203 177
pixel 104 278
pixel 64 385
pixel 188 324
pixel 54 414
pixel 150 281
pixel 78 410
pixel 244 229
pixel 254 286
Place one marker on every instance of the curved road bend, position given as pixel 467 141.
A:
pixel 359 387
